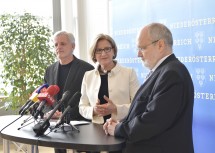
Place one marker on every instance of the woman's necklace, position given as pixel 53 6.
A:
pixel 104 71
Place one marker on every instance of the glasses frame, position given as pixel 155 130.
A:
pixel 144 47
pixel 106 50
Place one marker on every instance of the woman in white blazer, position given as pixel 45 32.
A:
pixel 108 90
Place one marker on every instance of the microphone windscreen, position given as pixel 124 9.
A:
pixel 53 90
pixel 74 101
pixel 65 95
pixel 47 96
pixel 41 88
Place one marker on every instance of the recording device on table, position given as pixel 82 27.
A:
pixel 42 126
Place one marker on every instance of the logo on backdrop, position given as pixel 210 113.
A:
pixel 199 39
pixel 200 76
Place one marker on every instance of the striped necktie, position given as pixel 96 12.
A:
pixel 148 75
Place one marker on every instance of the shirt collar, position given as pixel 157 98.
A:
pixel 114 70
pixel 159 62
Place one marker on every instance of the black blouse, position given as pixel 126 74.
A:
pixel 104 91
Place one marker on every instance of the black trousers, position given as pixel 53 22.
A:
pixel 64 151
pixel 109 152
pixel 56 150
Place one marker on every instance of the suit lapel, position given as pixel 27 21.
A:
pixel 55 73
pixel 145 87
pixel 148 85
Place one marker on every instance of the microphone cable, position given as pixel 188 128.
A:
pixel 10 123
pixel 37 142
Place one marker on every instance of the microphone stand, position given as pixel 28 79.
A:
pixel 26 120
pixel 22 126
pixel 41 114
pixel 66 121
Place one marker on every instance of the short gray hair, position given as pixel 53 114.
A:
pixel 69 35
pixel 159 31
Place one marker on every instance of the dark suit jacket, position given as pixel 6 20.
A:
pixel 160 116
pixel 73 82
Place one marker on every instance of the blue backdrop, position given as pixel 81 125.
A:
pixel 192 23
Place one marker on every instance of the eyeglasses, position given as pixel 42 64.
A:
pixel 106 50
pixel 144 47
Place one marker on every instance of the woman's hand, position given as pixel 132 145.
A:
pixel 105 109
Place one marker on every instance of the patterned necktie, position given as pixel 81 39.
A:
pixel 148 75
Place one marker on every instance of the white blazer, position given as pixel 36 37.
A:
pixel 122 86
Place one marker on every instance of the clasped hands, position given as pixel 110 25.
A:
pixel 109 126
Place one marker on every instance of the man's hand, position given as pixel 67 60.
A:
pixel 56 115
pixel 109 126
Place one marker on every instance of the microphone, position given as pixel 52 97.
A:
pixel 32 99
pixel 25 105
pixel 46 98
pixel 41 127
pixel 74 101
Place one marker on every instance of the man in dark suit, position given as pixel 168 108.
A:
pixel 67 73
pixel 160 116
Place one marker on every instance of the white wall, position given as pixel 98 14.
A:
pixel 85 19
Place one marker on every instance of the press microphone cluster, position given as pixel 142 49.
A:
pixel 32 100
pixel 46 98
pixel 42 126
pixel 39 98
